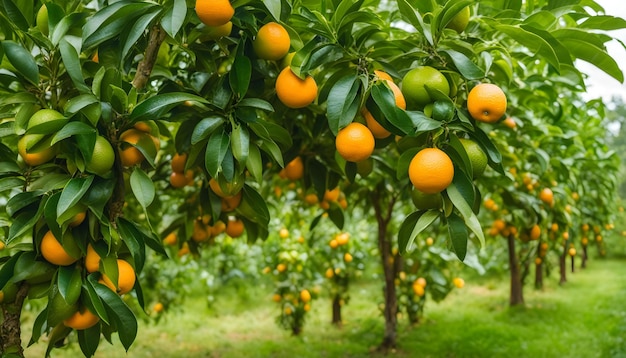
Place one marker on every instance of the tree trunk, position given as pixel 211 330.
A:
pixel 572 258
pixel 517 294
pixel 383 217
pixel 563 266
pixel 583 263
pixel 10 329
pixel 337 311
pixel 539 276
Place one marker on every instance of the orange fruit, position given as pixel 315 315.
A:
pixel 44 153
pixel 510 122
pixel 499 224
pixel 53 251
pixel 378 131
pixel 92 259
pixel 329 273
pixel 420 281
pixel 283 233
pixel 347 257
pixel 547 196
pixel 281 267
pixel 431 170
pixel 382 75
pixel 78 219
pixel 293 91
pixel 458 282
pixel 158 307
pixel 272 42
pixel 306 307
pixel 305 296
pixel 214 12
pixel 355 142
pixel 311 199
pixel 81 320
pixel 218 228
pixel 294 170
pixel 538 260
pixel 343 238
pixel 125 279
pixel 486 102
pixel 130 155
pixel 535 232
pixel 418 290
pixel 200 232
pixel 171 239
pixel 179 180
pixel 178 162
pixel 572 251
pixel 333 244
pixel 332 195
pixel 277 297
pixel 231 203
pixel 235 228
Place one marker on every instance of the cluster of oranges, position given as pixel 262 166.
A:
pixel 179 177
pixel 138 136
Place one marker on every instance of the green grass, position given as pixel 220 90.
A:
pixel 584 318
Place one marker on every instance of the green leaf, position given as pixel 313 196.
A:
pixel 156 106
pixel 122 316
pixel 342 103
pixel 240 74
pixel 240 143
pixel 72 193
pixel 174 18
pixel 71 129
pixel 385 100
pixel 9 183
pixel 142 186
pixel 412 226
pixel 68 22
pixel 533 42
pixel 75 104
pixel 135 241
pixel 466 67
pixel 137 30
pixel 205 128
pixel 254 164
pixel 274 7
pixel 336 215
pixel 22 60
pixel 15 15
pixel 603 22
pixel 458 235
pixel 466 212
pixel 215 152
pixel 416 19
pixel 69 283
pixel 23 222
pixel 256 103
pixel 89 339
pixel 58 334
pixel 91 298
pixel 7 269
pixel 594 55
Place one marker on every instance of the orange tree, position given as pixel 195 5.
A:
pixel 97 98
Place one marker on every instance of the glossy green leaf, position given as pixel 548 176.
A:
pixel 156 106
pixel 89 339
pixel 142 187
pixel 15 15
pixel 22 60
pixel 466 67
pixel 343 104
pixel 240 74
pixel 68 22
pixel 71 129
pixel 72 193
pixel 412 226
pixel 174 17
pixel 458 235
pixel 274 7
pixel 119 313
pixel 256 103
pixel 69 282
pixel 205 128
pixel 215 151
pixel 137 30
pixel 465 209
pixel 240 143
pixel 416 19
pixel 254 164
pixel 533 42
pixel 135 241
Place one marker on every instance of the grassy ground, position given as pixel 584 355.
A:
pixel 584 318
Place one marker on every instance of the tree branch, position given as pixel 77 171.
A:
pixel 144 69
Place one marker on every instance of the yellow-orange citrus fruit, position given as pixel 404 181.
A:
pixel 158 307
pixel 431 170
pixel 333 244
pixel 535 232
pixel 126 277
pixel 81 320
pixel 510 122
pixel 329 273
pixel 283 233
pixel 214 12
pixel 281 267
pixel 92 259
pixel 547 196
pixel 332 195
pixel 293 91
pixel 306 307
pixel 277 297
pixel 430 241
pixel 235 228
pixel 53 251
pixel 305 296
pixel 311 199
pixel 355 142
pixel 378 131
pixel 458 282
pixel 45 153
pixel 294 170
pixel 347 257
pixel 178 162
pixel 230 203
pixel 499 224
pixel 171 239
pixel 200 232
pixel 78 219
pixel 343 238
pixel 486 102
pixel 572 251
pixel 565 235
pixel 130 155
pixel 382 75
pixel 272 42
pixel 418 290
pixel 421 281
pixel 538 260
pixel 179 180
pixel 218 228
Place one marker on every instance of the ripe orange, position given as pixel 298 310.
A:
pixel 180 180
pixel 333 244
pixel 235 228
pixel 200 232
pixel 486 102
pixel 125 279
pixel 547 196
pixel 294 170
pixel 81 320
pixel 343 238
pixel 347 257
pixel 277 297
pixel 510 122
pixel 329 273
pixel 535 232
pixel 378 131
pixel 572 251
pixel 272 42
pixel 92 259
pixel 538 260
pixel 355 142
pixel 78 219
pixel 214 12
pixel 53 251
pixel 418 290
pixel 281 267
pixel 158 307
pixel 218 228
pixel 431 170
pixel 420 281
pixel 178 162
pixel 44 152
pixel 283 233
pixel 130 155
pixel 332 195
pixel 171 239
pixel 293 91
pixel 305 296
pixel 499 224
pixel 458 282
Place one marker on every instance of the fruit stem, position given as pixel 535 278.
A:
pixel 144 69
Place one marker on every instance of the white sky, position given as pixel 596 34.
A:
pixel 600 84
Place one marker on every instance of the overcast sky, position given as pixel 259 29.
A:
pixel 600 84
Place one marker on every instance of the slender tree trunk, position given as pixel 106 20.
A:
pixel 517 294
pixel 10 329
pixel 583 263
pixel 337 311
pixel 539 276
pixel 572 261
pixel 389 267
pixel 563 266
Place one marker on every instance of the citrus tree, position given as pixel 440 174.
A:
pixel 110 106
